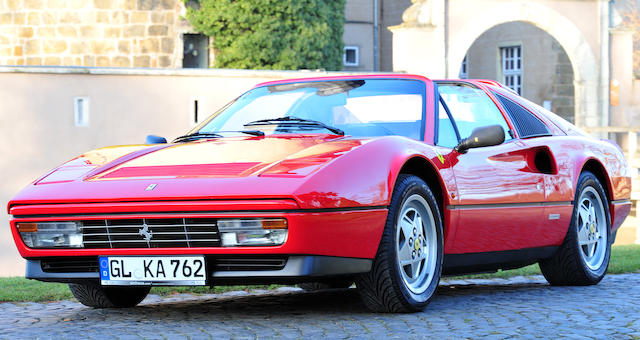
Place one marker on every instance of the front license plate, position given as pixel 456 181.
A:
pixel 152 270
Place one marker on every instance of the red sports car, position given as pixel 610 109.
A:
pixel 388 181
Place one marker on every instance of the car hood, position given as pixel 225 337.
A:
pixel 224 168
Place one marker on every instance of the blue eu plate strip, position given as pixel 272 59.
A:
pixel 104 268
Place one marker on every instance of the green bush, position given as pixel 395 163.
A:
pixel 272 34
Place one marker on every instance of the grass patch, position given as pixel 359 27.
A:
pixel 19 289
pixel 624 259
pixel 168 291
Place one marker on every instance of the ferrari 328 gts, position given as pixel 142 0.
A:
pixel 388 181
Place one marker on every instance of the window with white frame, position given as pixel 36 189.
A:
pixel 463 74
pixel 81 111
pixel 351 56
pixel 512 67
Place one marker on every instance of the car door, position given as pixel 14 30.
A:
pixel 499 193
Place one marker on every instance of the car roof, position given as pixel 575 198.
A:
pixel 346 77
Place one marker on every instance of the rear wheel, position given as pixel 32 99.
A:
pixel 583 257
pixel 407 267
pixel 96 296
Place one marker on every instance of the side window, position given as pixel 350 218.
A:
pixel 471 108
pixel 446 132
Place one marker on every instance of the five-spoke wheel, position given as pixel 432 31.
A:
pixel 583 257
pixel 416 244
pixel 592 228
pixel 407 267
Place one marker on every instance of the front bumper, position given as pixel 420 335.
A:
pixel 320 242
pixel 295 268
pixel 340 233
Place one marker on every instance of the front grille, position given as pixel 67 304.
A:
pixel 248 263
pixel 71 264
pixel 151 233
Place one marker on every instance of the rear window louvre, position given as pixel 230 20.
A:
pixel 525 122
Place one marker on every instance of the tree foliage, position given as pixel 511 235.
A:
pixel 272 34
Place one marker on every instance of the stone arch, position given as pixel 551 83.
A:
pixel 568 35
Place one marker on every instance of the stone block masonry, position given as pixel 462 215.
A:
pixel 105 33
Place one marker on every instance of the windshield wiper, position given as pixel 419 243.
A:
pixel 295 121
pixel 196 135
pixel 248 132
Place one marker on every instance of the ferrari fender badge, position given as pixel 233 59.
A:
pixel 151 187
pixel 440 157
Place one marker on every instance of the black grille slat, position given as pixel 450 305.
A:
pixel 81 264
pixel 167 233
pixel 249 263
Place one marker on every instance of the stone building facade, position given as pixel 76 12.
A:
pixel 119 33
pixel 152 33
pixel 545 72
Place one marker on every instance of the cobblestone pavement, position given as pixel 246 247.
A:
pixel 519 307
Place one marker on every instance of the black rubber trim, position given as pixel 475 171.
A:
pixel 298 268
pixel 226 212
pixel 508 205
pixel 492 261
pixel 34 271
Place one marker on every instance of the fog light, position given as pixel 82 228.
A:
pixel 253 232
pixel 51 234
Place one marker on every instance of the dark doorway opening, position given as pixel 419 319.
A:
pixel 196 48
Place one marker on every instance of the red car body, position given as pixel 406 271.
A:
pixel 509 200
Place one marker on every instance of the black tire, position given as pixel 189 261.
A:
pixel 338 283
pixel 570 265
pixel 385 288
pixel 96 296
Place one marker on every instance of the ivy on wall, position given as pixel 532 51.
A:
pixel 272 34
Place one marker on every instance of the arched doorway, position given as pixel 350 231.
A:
pixel 528 60
pixel 436 34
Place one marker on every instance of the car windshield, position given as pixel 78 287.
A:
pixel 371 107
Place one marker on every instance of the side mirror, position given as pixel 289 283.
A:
pixel 152 139
pixel 482 136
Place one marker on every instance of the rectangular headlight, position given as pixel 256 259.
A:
pixel 51 234
pixel 253 232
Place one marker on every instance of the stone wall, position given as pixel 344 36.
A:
pixel 562 92
pixel 547 73
pixel 118 33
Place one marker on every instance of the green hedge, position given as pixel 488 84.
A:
pixel 272 34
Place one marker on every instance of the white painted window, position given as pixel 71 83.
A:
pixel 351 56
pixel 463 74
pixel 81 111
pixel 512 67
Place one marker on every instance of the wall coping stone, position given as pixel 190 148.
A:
pixel 236 73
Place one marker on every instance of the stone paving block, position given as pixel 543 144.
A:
pixel 478 309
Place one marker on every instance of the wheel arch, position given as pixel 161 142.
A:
pixel 422 168
pixel 595 167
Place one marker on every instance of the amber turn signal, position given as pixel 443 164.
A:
pixel 276 223
pixel 27 227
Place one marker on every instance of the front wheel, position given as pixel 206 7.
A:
pixel 583 257
pixel 96 296
pixel 407 267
